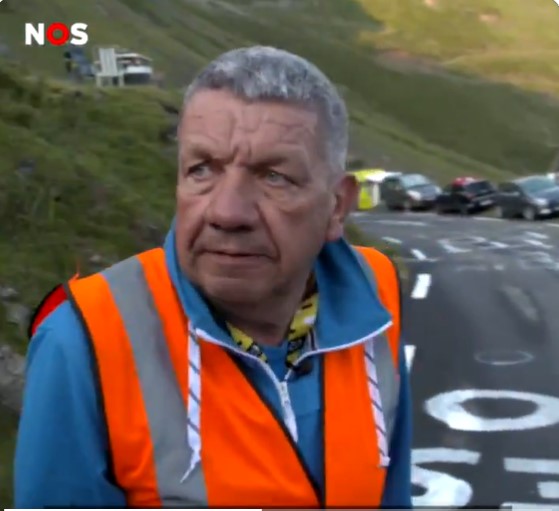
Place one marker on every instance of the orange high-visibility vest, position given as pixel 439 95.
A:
pixel 187 428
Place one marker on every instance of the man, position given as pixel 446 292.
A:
pixel 255 359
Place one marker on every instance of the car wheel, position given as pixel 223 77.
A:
pixel 529 213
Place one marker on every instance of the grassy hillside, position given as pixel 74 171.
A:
pixel 98 186
pixel 8 424
pixel 407 112
pixel 508 40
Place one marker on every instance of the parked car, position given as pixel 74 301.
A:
pixel 409 191
pixel 466 195
pixel 530 197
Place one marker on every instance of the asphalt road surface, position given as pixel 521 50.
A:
pixel 481 318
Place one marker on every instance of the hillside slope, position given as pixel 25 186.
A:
pixel 509 40
pixel 407 112
pixel 86 177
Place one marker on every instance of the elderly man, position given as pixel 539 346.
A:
pixel 255 359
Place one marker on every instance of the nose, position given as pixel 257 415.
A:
pixel 232 204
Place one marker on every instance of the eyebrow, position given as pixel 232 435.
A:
pixel 197 148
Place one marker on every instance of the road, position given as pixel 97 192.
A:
pixel 482 318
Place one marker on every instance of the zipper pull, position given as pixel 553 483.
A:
pixel 288 413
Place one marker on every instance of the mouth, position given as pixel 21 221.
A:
pixel 227 255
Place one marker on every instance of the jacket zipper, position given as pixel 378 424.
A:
pixel 281 386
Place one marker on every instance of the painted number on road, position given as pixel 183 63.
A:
pixel 442 489
pixel 445 490
pixel 448 408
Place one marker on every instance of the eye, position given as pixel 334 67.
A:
pixel 199 171
pixel 276 178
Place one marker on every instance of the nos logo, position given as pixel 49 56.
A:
pixel 56 34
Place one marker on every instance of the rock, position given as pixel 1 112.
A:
pixel 18 315
pixel 12 374
pixel 8 293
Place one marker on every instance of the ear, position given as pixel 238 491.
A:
pixel 346 191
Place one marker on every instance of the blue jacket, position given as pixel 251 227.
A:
pixel 61 454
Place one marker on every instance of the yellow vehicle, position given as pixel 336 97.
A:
pixel 369 182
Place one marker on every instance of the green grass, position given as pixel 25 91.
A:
pixel 506 35
pixel 8 424
pixel 103 181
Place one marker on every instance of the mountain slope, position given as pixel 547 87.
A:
pixel 509 40
pixel 406 111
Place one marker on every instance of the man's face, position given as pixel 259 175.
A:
pixel 255 202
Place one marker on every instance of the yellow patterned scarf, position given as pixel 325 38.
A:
pixel 301 325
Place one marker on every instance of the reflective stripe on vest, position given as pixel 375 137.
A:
pixel 185 426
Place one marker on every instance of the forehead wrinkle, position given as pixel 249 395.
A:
pixel 218 123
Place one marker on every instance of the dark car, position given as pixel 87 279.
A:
pixel 529 197
pixel 466 195
pixel 409 191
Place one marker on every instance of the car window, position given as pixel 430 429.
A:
pixel 412 180
pixel 537 184
pixel 479 187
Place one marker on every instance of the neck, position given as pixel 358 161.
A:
pixel 267 322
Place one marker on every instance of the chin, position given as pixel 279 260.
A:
pixel 233 290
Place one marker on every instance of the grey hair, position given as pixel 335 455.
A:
pixel 261 73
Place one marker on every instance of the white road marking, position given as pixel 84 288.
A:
pixel 549 489
pixel 441 490
pixel 539 235
pixel 409 351
pixel 526 506
pixel 488 219
pixel 422 285
pixel 539 244
pixel 401 222
pixel 531 466
pixel 418 254
pixel 392 240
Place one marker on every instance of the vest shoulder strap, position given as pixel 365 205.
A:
pixel 386 275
